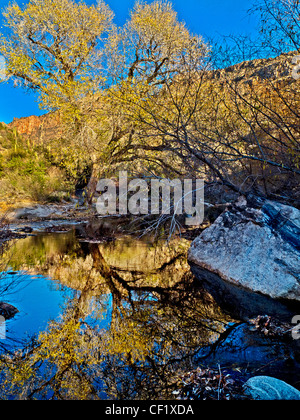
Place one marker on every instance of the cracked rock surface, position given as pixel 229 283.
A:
pixel 255 245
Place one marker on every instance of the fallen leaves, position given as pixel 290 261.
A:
pixel 271 327
pixel 211 384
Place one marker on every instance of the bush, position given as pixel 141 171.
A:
pixel 27 173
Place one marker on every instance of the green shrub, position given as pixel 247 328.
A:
pixel 27 173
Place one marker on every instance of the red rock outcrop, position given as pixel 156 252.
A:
pixel 37 127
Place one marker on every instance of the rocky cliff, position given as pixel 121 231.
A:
pixel 279 68
pixel 37 128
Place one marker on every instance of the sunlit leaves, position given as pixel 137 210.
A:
pixel 156 45
pixel 55 47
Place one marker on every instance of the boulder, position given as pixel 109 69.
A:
pixel 7 311
pixel 268 388
pixel 252 247
pixel 40 212
pixel 35 212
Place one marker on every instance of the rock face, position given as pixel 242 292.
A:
pixel 37 128
pixel 252 247
pixel 7 311
pixel 268 388
pixel 278 68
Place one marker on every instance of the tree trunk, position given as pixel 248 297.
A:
pixel 92 184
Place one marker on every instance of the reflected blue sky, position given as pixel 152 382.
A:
pixel 40 300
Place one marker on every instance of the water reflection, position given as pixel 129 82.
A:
pixel 131 319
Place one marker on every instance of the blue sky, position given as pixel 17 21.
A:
pixel 209 18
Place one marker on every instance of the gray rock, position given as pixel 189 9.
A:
pixel 7 311
pixel 254 246
pixel 268 388
pixel 34 212
pixel 40 212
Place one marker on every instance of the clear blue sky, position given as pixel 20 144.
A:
pixel 209 18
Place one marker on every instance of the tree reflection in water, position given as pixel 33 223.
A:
pixel 133 325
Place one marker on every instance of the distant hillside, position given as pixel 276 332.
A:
pixel 278 68
pixel 37 128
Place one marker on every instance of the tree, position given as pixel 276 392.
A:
pixel 279 24
pixel 149 52
pixel 161 103
pixel 237 126
pixel 153 46
pixel 54 48
pixel 154 50
pixel 87 69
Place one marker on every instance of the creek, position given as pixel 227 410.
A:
pixel 112 317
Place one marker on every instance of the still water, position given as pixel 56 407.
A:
pixel 119 318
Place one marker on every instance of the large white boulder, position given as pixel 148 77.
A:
pixel 253 245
